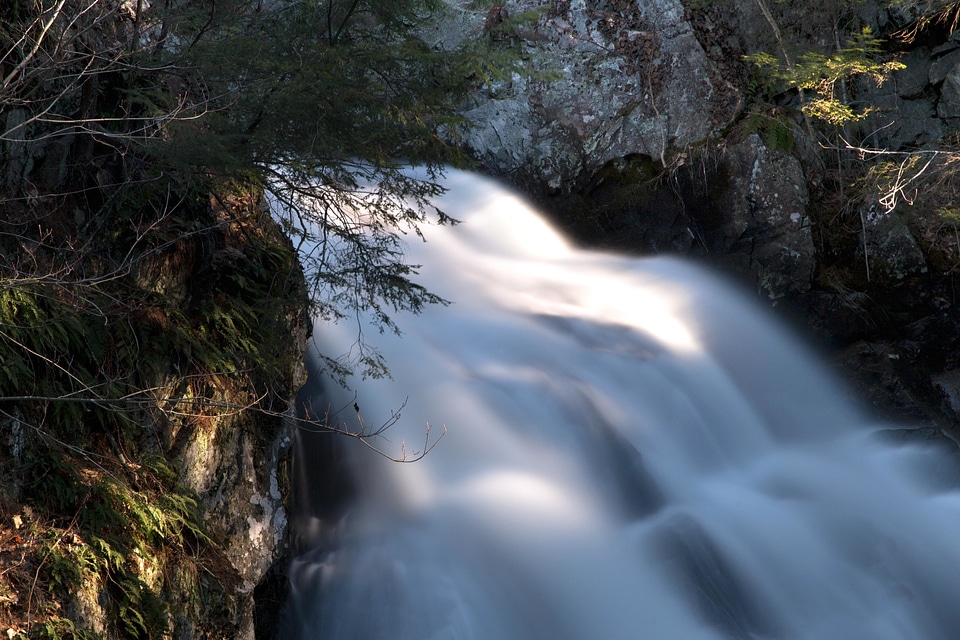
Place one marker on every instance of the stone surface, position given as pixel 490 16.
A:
pixel 941 66
pixel 948 383
pixel 628 96
pixel 885 381
pixel 235 460
pixel 615 79
pixel 949 104
pixel 889 247
pixel 913 79
pixel 916 124
pixel 765 219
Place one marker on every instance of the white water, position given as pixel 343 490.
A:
pixel 633 452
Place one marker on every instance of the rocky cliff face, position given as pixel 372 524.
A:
pixel 152 333
pixel 144 430
pixel 644 128
pixel 235 459
pixel 618 78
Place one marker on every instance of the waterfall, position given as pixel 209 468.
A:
pixel 632 450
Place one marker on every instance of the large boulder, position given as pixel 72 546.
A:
pixel 765 225
pixel 606 79
pixel 889 251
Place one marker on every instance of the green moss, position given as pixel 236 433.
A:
pixel 56 628
pixel 95 364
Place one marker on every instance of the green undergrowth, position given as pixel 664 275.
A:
pixel 121 323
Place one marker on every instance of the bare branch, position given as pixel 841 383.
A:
pixel 906 174
pixel 367 435
pixel 54 14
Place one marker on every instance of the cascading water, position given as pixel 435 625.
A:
pixel 633 451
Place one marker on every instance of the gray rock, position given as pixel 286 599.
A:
pixel 879 372
pixel 610 84
pixel 942 66
pixel 765 218
pixel 17 153
pixel 888 250
pixel 943 49
pixel 948 383
pixel 949 105
pixel 915 76
pixel 917 124
pixel 897 123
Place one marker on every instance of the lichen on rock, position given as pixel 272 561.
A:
pixel 607 79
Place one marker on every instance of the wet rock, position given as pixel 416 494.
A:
pixel 917 124
pixel 948 383
pixel 838 318
pixel 743 209
pixel 886 381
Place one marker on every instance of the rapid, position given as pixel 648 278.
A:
pixel 633 450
